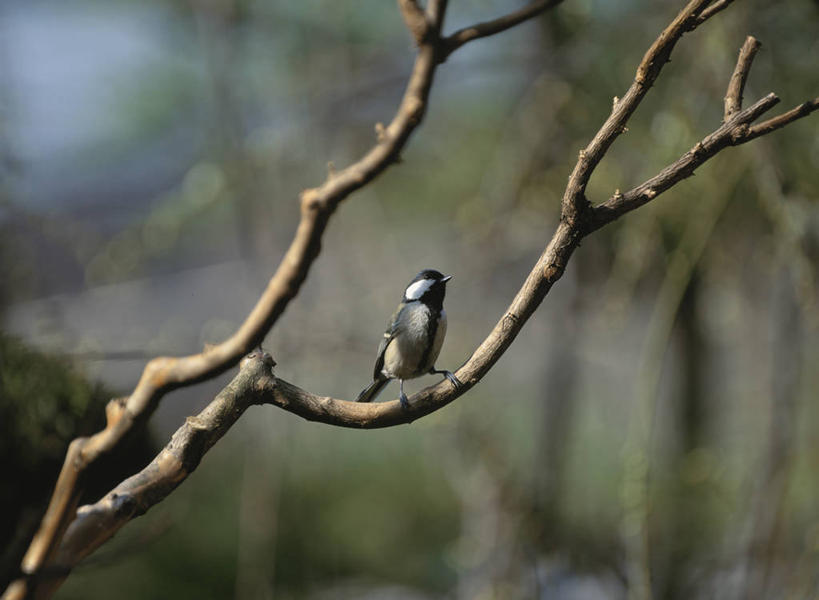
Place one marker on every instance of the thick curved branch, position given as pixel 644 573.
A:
pixel 164 374
pixel 97 523
pixel 454 41
pixel 577 220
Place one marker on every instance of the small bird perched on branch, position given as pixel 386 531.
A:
pixel 413 338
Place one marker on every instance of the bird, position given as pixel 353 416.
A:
pixel 413 338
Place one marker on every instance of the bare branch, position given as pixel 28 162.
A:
pixel 712 10
pixel 737 129
pixel 454 41
pixel 733 97
pixel 780 121
pixel 164 374
pixel 414 19
pixel 732 133
pixel 436 10
pixel 97 523
pixel 574 199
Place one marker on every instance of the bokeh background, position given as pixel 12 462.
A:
pixel 656 415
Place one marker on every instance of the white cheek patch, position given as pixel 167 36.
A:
pixel 418 289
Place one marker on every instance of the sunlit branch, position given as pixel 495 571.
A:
pixel 164 374
pixel 578 218
pixel 733 97
pixel 454 41
pixel 574 198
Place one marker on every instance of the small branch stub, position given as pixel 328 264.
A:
pixel 736 85
pixel 380 132
pixel 415 20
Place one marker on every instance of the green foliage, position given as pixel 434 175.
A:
pixel 44 404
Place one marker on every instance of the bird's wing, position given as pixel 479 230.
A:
pixel 393 329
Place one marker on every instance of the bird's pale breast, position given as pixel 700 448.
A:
pixel 406 352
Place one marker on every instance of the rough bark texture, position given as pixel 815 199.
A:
pixel 94 524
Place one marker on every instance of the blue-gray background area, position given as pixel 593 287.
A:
pixel 655 415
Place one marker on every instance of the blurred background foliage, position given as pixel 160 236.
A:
pixel 656 415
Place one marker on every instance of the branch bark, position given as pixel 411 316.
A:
pixel 414 19
pixel 548 269
pixel 575 205
pixel 164 374
pixel 97 523
pixel 578 219
pixel 732 133
pixel 778 122
pixel 454 41
pixel 733 99
pixel 713 9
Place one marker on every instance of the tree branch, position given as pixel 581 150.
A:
pixel 414 19
pixel 712 10
pixel 574 203
pixel 578 219
pixel 164 374
pixel 780 121
pixel 97 523
pixel 733 97
pixel 454 41
pixel 734 132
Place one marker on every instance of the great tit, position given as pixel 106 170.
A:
pixel 413 338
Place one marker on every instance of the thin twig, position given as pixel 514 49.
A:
pixel 733 97
pixel 548 269
pixel 454 41
pixel 574 203
pixel 780 121
pixel 414 19
pixel 732 133
pixel 712 10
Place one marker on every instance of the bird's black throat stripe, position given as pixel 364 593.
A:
pixel 432 329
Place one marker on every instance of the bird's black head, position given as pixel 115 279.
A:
pixel 429 287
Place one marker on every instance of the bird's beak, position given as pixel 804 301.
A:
pixel 447 278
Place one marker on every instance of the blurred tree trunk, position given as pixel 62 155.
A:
pixel 769 503
pixel 559 384
pixel 690 420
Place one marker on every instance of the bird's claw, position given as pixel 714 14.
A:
pixel 404 401
pixel 456 383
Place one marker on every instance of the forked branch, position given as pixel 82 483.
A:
pixel 548 269
pixel 733 98
pixel 578 218
pixel 164 374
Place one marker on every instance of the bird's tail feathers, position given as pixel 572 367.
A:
pixel 369 393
